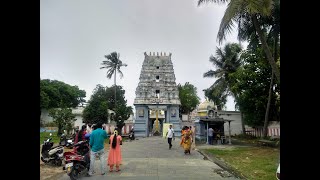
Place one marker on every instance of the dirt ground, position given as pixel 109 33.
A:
pixel 48 172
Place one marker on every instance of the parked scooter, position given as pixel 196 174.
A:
pixel 78 163
pixel 51 155
pixel 67 142
pixel 131 135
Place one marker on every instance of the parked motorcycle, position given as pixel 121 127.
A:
pixel 82 147
pixel 77 163
pixel 131 135
pixel 67 142
pixel 51 155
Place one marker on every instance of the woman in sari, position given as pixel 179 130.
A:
pixel 183 130
pixel 115 157
pixel 187 140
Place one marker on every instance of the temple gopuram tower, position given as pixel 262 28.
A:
pixel 157 96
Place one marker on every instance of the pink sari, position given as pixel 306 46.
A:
pixel 115 157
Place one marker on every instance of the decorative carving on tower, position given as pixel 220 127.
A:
pixel 157 77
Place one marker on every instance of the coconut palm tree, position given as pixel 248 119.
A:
pixel 255 9
pixel 113 64
pixel 227 61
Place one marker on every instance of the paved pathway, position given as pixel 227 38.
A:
pixel 150 158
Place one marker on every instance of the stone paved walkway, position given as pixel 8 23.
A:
pixel 150 158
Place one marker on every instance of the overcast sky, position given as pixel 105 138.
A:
pixel 76 34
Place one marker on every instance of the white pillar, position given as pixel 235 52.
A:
pixel 229 133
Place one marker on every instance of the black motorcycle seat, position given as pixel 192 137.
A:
pixel 56 146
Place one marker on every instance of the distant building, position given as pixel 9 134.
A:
pixel 207 116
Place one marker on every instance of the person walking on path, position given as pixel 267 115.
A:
pixel 114 156
pixel 187 140
pixel 182 133
pixel 170 135
pixel 97 138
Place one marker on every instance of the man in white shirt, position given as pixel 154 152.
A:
pixel 170 135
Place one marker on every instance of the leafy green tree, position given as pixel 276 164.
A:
pixel 188 97
pixel 63 118
pixel 97 108
pixel 113 64
pixel 57 94
pixel 122 113
pixel 252 86
pixel 236 10
pixel 120 96
pixel 101 100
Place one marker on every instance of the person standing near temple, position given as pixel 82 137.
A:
pixel 97 138
pixel 170 136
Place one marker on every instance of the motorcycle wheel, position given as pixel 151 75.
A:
pixel 58 162
pixel 42 159
pixel 74 174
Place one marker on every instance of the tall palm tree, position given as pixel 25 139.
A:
pixel 113 64
pixel 256 9
pixel 227 61
pixel 271 24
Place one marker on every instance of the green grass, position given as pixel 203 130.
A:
pixel 252 162
pixel 45 135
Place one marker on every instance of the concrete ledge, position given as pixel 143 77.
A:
pixel 266 142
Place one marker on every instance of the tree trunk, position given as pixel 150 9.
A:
pixel 59 129
pixel 266 117
pixel 266 49
pixel 115 89
pixel 242 124
pixel 120 129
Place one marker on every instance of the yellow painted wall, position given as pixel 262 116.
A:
pixel 202 113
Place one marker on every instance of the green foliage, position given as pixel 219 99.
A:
pixel 238 9
pixel 253 18
pixel 101 100
pixel 252 86
pixel 226 61
pixel 251 162
pixel 57 94
pixel 122 113
pixel 97 108
pixel 120 96
pixel 63 118
pixel 188 97
pixel 113 64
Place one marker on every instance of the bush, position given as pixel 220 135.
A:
pixel 45 135
pixel 245 136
